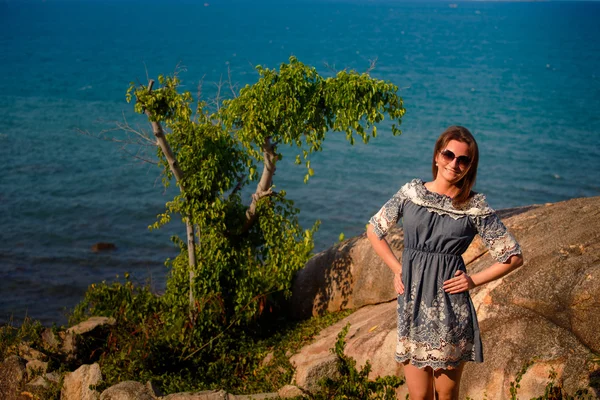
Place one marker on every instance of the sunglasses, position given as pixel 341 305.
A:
pixel 462 161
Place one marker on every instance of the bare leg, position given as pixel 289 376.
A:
pixel 419 382
pixel 447 383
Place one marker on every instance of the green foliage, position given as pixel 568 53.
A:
pixel 11 336
pixel 354 384
pixel 245 265
pixel 295 106
pixel 553 390
pixel 245 254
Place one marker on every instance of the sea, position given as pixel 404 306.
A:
pixel 524 77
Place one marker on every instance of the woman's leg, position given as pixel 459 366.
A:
pixel 419 382
pixel 447 383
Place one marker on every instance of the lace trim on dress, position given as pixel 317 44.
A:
pixel 439 335
pixel 441 204
pixel 388 215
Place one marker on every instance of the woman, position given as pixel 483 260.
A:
pixel 437 325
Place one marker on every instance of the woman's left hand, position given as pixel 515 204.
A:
pixel 460 283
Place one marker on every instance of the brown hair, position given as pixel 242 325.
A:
pixel 467 180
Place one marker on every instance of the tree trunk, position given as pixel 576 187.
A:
pixel 161 141
pixel 263 188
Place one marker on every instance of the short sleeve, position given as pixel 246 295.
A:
pixel 501 244
pixel 388 215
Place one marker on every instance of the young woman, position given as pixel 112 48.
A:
pixel 437 325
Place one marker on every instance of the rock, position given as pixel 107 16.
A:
pixel 49 340
pixel 12 378
pixel 36 367
pixel 289 392
pixel 76 385
pixel 68 345
pixel 30 354
pixel 268 359
pixel 91 324
pixel 546 310
pixel 153 389
pixel 258 396
pixel 204 395
pixel 70 339
pixel 53 377
pixel 103 246
pixel 348 275
pixel 372 337
pixel 37 382
pixel 128 390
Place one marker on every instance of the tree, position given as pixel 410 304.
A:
pixel 238 257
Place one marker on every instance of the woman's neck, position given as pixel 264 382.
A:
pixel 442 187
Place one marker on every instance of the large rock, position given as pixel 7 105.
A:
pixel 372 337
pixel 128 390
pixel 204 395
pixel 545 311
pixel 76 385
pixel 347 276
pixel 12 378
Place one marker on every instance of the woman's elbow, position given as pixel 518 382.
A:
pixel 516 261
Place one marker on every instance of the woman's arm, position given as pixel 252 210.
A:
pixel 463 282
pixel 383 250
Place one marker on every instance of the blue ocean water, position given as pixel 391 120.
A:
pixel 523 77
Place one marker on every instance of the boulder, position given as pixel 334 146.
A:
pixel 204 395
pixel 30 354
pixel 91 324
pixel 12 378
pixel 372 337
pixel 257 396
pixel 545 311
pixel 346 276
pixel 76 385
pixel 36 367
pixel 49 340
pixel 290 392
pixel 93 327
pixel 103 246
pixel 128 390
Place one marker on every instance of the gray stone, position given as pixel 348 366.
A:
pixel 12 378
pixel 257 396
pixel 128 390
pixel 346 276
pixel 30 354
pixel 290 391
pixel 76 385
pixel 203 395
pixel 91 324
pixel 36 367
pixel 49 340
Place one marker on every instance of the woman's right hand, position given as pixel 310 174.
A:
pixel 398 285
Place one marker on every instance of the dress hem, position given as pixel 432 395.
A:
pixel 433 365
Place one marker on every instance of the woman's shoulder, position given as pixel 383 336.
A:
pixel 417 193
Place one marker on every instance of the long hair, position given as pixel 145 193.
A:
pixel 467 180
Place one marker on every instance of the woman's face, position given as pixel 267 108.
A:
pixel 452 161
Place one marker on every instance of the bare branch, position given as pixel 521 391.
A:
pixel 372 64
pixel 231 85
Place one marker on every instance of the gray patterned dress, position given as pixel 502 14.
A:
pixel 435 328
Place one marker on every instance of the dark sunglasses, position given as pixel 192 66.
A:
pixel 462 161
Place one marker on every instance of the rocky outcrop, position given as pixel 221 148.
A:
pixel 348 275
pixel 128 390
pixel 76 385
pixel 13 376
pixel 545 311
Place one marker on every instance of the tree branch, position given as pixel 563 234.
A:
pixel 264 187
